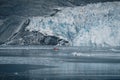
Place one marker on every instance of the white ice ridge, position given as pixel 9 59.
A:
pixel 90 25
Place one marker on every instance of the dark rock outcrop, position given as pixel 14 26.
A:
pixel 13 32
pixel 36 38
pixel 10 27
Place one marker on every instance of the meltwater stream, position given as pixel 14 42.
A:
pixel 50 64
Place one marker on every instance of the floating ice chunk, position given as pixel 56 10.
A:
pixel 80 54
pixel 16 73
pixel 115 50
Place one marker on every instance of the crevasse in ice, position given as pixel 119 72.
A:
pixel 90 25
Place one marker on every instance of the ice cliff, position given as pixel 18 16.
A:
pixel 90 25
pixel 95 24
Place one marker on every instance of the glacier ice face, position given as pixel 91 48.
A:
pixel 90 25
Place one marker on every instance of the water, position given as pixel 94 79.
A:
pixel 49 64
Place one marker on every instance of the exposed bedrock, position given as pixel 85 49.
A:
pixel 13 32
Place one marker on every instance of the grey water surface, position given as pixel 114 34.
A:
pixel 61 64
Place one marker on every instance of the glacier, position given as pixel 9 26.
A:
pixel 95 24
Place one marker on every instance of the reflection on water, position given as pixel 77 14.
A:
pixel 59 65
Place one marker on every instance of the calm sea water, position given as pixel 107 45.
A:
pixel 49 64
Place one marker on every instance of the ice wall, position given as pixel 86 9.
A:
pixel 90 25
